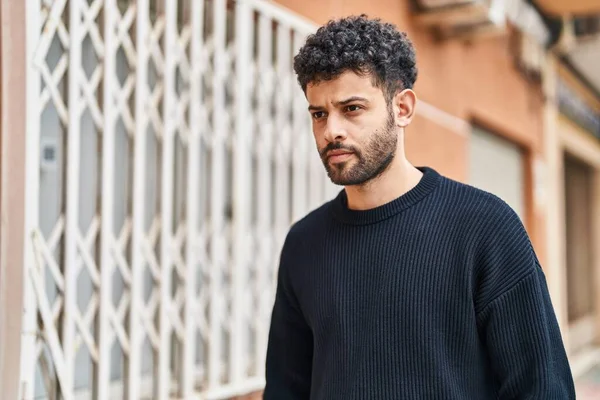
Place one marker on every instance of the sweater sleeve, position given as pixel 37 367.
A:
pixel 290 344
pixel 516 318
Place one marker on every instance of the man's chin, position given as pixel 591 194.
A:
pixel 336 178
pixel 342 180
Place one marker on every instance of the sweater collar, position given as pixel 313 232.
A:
pixel 426 184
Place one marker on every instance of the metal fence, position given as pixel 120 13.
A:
pixel 169 149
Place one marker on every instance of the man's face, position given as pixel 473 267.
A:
pixel 353 127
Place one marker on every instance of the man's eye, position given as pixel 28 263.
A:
pixel 352 108
pixel 318 114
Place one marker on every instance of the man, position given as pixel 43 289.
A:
pixel 408 285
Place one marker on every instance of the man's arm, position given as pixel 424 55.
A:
pixel 290 346
pixel 516 319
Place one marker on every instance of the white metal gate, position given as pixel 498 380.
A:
pixel 169 149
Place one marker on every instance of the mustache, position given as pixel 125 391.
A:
pixel 337 146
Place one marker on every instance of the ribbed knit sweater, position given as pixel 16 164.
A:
pixel 437 294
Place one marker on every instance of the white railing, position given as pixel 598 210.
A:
pixel 169 150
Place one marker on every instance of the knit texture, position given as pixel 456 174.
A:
pixel 437 294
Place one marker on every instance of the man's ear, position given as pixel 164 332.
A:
pixel 404 103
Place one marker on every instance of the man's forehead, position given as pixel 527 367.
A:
pixel 342 80
pixel 340 88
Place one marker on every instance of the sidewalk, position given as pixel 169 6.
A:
pixel 588 386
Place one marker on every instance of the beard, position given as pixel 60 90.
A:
pixel 372 159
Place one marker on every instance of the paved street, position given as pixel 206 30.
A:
pixel 588 387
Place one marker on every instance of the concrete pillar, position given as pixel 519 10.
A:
pixel 12 190
pixel 554 202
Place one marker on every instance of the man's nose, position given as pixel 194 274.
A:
pixel 335 129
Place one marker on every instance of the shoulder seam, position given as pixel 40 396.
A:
pixel 505 293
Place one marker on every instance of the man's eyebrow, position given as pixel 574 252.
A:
pixel 350 100
pixel 340 103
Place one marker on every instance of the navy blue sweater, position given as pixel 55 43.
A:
pixel 435 295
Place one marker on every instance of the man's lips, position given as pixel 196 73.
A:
pixel 338 155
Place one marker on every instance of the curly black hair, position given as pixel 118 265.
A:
pixel 361 45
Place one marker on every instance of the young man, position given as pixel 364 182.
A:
pixel 408 285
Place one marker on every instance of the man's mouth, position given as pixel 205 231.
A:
pixel 336 156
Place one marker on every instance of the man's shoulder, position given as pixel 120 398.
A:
pixel 477 206
pixel 302 236
pixel 311 221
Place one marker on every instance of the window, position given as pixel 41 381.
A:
pixel 580 272
pixel 496 165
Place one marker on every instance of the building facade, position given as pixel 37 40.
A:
pixel 165 149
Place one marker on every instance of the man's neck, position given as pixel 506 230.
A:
pixel 396 180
